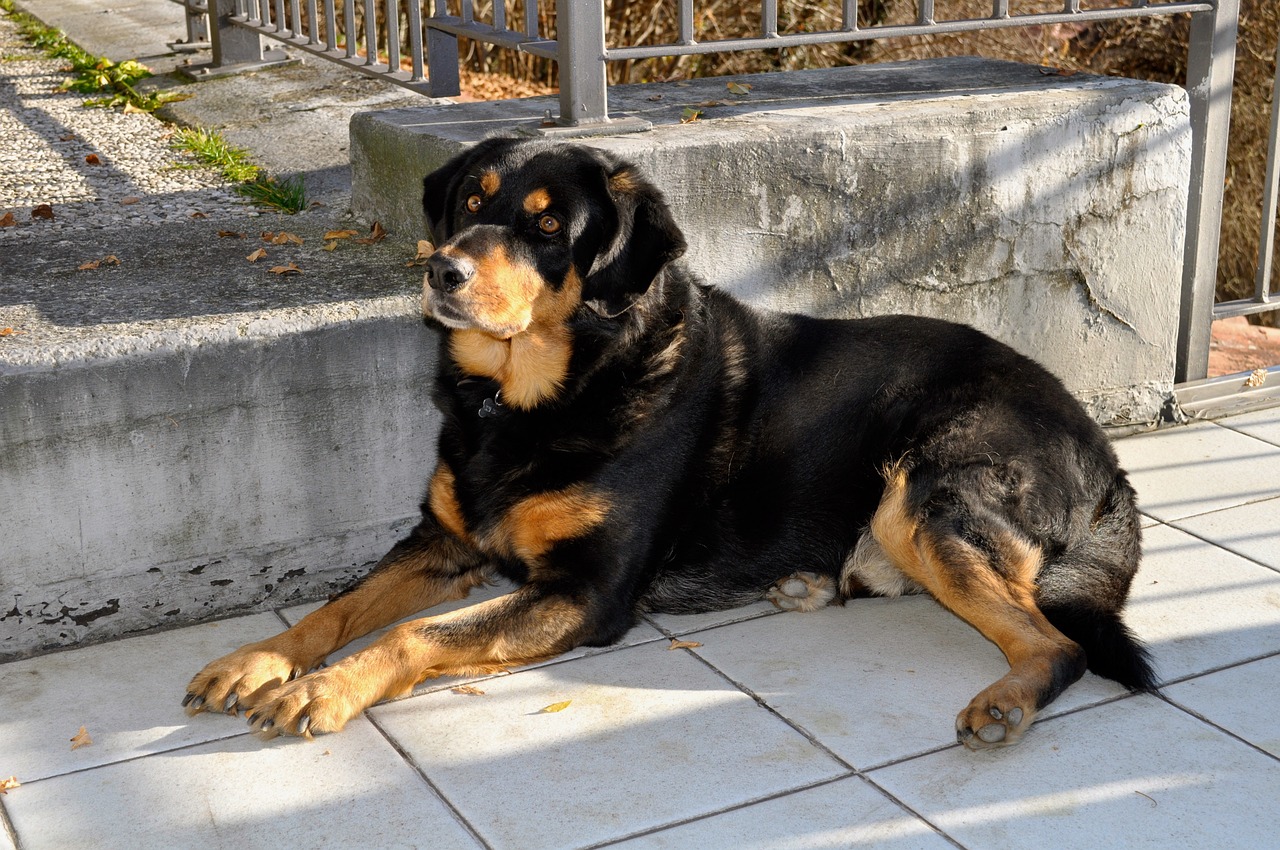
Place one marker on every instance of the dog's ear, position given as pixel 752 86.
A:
pixel 439 186
pixel 647 238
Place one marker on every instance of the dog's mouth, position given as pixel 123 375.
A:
pixel 452 312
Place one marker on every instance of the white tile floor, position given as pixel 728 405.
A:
pixel 781 731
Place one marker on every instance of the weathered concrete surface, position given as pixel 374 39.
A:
pixel 1047 210
pixel 187 434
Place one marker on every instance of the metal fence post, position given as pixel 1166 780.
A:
pixel 442 58
pixel 580 45
pixel 231 44
pixel 1210 71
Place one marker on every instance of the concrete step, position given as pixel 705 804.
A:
pixel 186 433
pixel 1047 210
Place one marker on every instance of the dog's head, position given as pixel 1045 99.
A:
pixel 531 229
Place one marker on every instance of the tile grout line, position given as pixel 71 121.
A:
pixel 408 759
pixel 1212 670
pixel 6 823
pixel 1174 525
pixel 1223 424
pixel 1198 716
pixel 812 739
pixel 653 830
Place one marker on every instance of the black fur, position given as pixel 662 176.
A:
pixel 735 446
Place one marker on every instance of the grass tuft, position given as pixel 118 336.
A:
pixel 208 147
pixel 286 195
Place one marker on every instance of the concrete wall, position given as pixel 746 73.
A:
pixel 1049 211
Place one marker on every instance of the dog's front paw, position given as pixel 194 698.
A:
pixel 241 679
pixel 321 702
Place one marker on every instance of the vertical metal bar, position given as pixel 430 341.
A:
pixel 769 18
pixel 531 18
pixel 1210 69
pixel 330 25
pixel 415 41
pixel 264 12
pixel 849 15
pixel 1267 237
pixel 924 10
pixel 685 20
pixel 580 54
pixel 442 58
pixel 313 23
pixel 1000 9
pixel 468 11
pixel 1071 7
pixel 393 35
pixel 279 16
pixel 499 14
pixel 349 26
pixel 370 32
pixel 295 18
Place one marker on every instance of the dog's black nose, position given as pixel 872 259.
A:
pixel 448 273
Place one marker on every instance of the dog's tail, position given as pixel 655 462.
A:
pixel 1083 591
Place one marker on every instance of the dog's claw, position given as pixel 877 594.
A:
pixel 186 701
pixel 229 704
pixel 304 723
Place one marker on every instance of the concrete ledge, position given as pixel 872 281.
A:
pixel 1049 211
pixel 248 440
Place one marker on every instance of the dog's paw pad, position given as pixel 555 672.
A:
pixel 980 729
pixel 802 591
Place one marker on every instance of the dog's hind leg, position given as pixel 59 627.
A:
pixel 984 572
pixel 426 569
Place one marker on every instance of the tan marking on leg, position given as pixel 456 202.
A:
pixel 535 524
pixel 537 201
pixel 519 628
pixel 442 497
pixel 530 366
pixel 1001 607
pixel 395 589
pixel 490 182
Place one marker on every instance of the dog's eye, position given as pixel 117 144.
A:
pixel 549 224
pixel 474 203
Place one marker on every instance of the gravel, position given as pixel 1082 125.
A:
pixel 49 142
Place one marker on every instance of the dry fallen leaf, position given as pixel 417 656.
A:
pixel 467 690
pixel 129 201
pixel 10 332
pixel 292 268
pixel 341 234
pixel 711 103
pixel 689 115
pixel 684 644
pixel 67 138
pixel 7 220
pixel 7 785
pixel 109 260
pixel 425 250
pixel 655 97
pixel 283 238
pixel 554 707
pixel 331 245
pixel 92 159
pixel 89 265
pixel 1056 72
pixel 198 214
pixel 81 739
pixel 1256 378
pixel 376 234
pixel 738 88
pixel 43 211
pixel 257 255
pixel 231 234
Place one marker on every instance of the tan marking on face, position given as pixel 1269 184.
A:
pixel 530 365
pixel 535 524
pixel 490 182
pixel 536 201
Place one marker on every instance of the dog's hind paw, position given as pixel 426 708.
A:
pixel 802 591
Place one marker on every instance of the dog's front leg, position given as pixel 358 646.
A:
pixel 527 625
pixel 428 568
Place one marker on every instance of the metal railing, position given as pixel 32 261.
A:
pixel 400 41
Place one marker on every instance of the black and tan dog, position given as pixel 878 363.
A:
pixel 620 438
